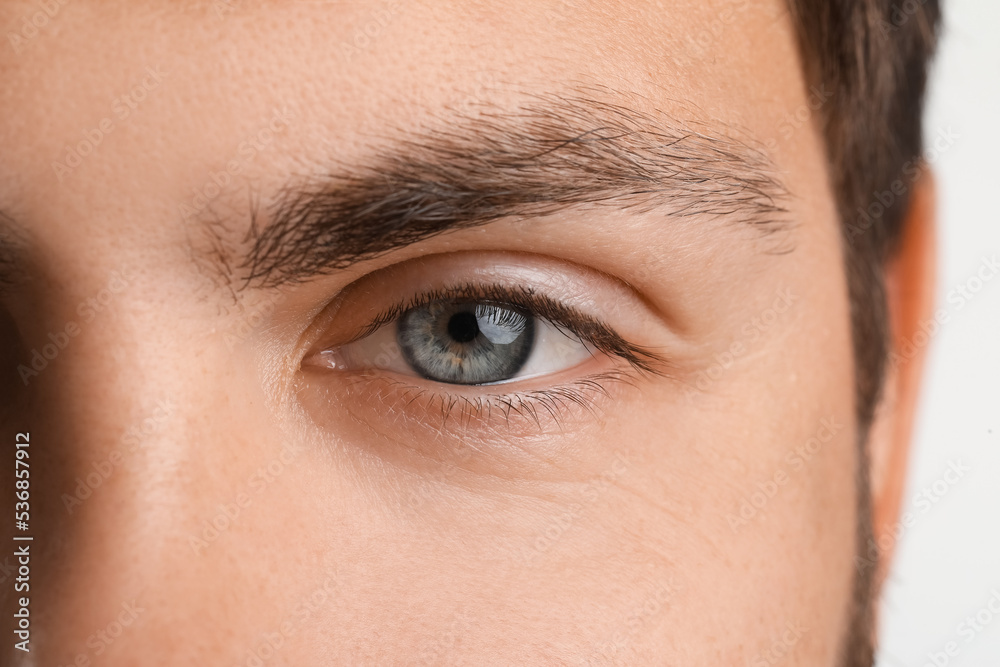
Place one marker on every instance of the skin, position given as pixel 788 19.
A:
pixel 388 535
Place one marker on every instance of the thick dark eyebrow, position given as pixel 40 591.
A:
pixel 479 166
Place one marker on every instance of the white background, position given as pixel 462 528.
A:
pixel 948 562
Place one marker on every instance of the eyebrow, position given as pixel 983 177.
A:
pixel 473 168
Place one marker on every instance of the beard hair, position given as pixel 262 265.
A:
pixel 858 647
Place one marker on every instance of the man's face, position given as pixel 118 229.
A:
pixel 426 333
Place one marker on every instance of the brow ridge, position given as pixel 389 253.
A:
pixel 473 168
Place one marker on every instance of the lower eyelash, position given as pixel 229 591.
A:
pixel 538 409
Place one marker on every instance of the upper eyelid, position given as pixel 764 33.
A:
pixel 566 317
pixel 486 293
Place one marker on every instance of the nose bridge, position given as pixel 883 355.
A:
pixel 144 404
pixel 115 445
pixel 99 409
pixel 85 430
pixel 145 418
pixel 114 419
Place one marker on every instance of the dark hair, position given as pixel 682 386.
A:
pixel 873 55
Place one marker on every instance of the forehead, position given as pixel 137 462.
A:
pixel 112 109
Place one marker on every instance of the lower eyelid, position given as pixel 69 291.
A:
pixel 427 411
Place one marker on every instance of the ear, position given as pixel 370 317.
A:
pixel 910 284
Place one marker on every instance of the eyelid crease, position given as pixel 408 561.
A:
pixel 588 329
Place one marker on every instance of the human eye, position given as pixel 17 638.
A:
pixel 489 335
pixel 479 334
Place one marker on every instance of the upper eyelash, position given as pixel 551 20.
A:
pixel 587 328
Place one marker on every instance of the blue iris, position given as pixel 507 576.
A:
pixel 466 342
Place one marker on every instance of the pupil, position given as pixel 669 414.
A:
pixel 463 327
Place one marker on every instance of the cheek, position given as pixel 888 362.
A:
pixel 746 517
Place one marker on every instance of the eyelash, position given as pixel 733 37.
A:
pixel 553 401
pixel 569 320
